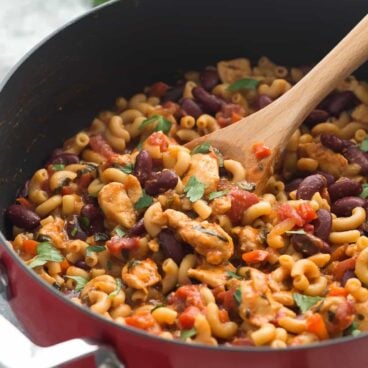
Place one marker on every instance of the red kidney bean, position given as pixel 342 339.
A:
pixel 161 182
pixel 340 101
pixel 329 178
pixel 210 103
pixel 308 244
pixel 22 217
pixel 344 187
pixel 310 185
pixel 316 116
pixel 355 156
pixel 345 206
pixel 143 166
pixel 323 224
pixel 173 94
pixel 293 185
pixel 74 230
pixel 262 101
pixel 64 159
pixel 95 219
pixel 349 274
pixel 83 265
pixel 332 142
pixel 138 229
pixel 170 246
pixel 190 107
pixel 209 78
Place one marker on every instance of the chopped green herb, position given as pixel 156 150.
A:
pixel 143 202
pixel 364 145
pixel 84 221
pixel 220 157
pixel 128 169
pixel 352 330
pixel 364 193
pixel 119 231
pixel 202 148
pixel 249 187
pixel 46 252
pixel 263 235
pixel 74 231
pixel 156 307
pixel 245 83
pixel 185 334
pixel 194 189
pixel 238 296
pixel 162 124
pixel 95 248
pixel 80 282
pixel 233 275
pixel 210 232
pixel 218 194
pixel 58 167
pixel 117 289
pixel 100 237
pixel 305 302
pixel 300 231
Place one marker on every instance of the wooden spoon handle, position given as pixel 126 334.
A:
pixel 340 62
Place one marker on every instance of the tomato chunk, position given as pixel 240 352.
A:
pixel 142 320
pixel 306 212
pixel 158 89
pixel 260 150
pixel 30 247
pixel 240 201
pixel 116 244
pixel 158 139
pixel 100 145
pixel 316 325
pixel 255 256
pixel 187 318
pixel 285 211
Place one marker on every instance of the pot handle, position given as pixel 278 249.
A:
pixel 22 352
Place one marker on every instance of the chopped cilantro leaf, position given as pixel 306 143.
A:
pixel 80 282
pixel 58 167
pixel 162 124
pixel 218 194
pixel 245 83
pixel 202 148
pixel 100 237
pixel 117 289
pixel 233 275
pixel 127 169
pixel 185 334
pixel 119 231
pixel 143 202
pixel 238 296
pixel 94 248
pixel 364 193
pixel 364 145
pixel 210 232
pixel 305 302
pixel 46 252
pixel 194 189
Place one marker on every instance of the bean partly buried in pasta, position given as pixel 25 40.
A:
pixel 126 221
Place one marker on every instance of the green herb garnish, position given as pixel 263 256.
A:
pixel 100 237
pixel 220 157
pixel 119 231
pixel 84 221
pixel 233 275
pixel 127 169
pixel 238 296
pixel 117 289
pixel 194 189
pixel 218 194
pixel 58 167
pixel 305 302
pixel 46 252
pixel 74 231
pixel 185 334
pixel 162 124
pixel 156 307
pixel 352 330
pixel 95 248
pixel 143 202
pixel 364 145
pixel 364 193
pixel 300 231
pixel 210 232
pixel 202 148
pixel 245 83
pixel 80 282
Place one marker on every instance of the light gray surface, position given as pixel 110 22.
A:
pixel 23 24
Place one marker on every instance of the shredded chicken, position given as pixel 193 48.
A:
pixel 140 274
pixel 211 275
pixel 205 169
pixel 209 240
pixel 54 230
pixel 116 204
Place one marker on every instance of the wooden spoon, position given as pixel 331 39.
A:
pixel 274 124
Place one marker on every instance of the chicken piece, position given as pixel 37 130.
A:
pixel 232 70
pixel 116 204
pixel 211 275
pixel 221 205
pixel 249 239
pixel 328 161
pixel 140 274
pixel 55 231
pixel 209 240
pixel 205 168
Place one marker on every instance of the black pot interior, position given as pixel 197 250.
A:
pixel 120 48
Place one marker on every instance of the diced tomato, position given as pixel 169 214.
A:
pixel 317 325
pixel 342 267
pixel 64 265
pixel 255 256
pixel 24 202
pixel 306 212
pixel 142 320
pixel 116 244
pixel 30 247
pixel 261 151
pixel 240 201
pixel 158 139
pixel 99 144
pixel 187 318
pixel 337 291
pixel 285 211
pixel 226 298
pixel 223 315
pixel 235 117
pixel 158 89
pixel 229 114
pixel 68 190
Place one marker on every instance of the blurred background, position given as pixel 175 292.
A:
pixel 23 24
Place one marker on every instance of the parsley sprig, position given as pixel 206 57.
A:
pixel 46 252
pixel 162 124
pixel 194 189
